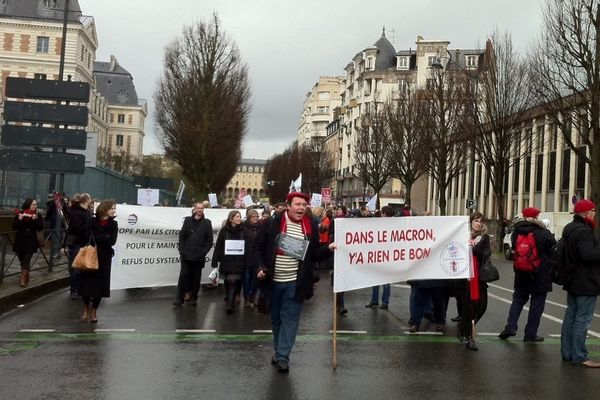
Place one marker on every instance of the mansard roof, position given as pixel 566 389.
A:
pixel 50 10
pixel 115 83
pixel 386 58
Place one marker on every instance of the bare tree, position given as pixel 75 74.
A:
pixel 121 162
pixel 202 105
pixel 408 144
pixel 500 94
pixel 372 150
pixel 445 117
pixel 566 73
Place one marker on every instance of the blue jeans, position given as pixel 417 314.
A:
pixel 536 308
pixel 285 316
pixel 578 317
pixel 248 283
pixel 385 298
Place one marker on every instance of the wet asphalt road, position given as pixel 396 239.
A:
pixel 143 348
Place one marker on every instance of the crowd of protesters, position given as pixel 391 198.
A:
pixel 255 270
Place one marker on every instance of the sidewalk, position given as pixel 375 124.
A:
pixel 41 282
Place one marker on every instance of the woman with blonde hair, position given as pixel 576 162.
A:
pixel 230 257
pixel 78 235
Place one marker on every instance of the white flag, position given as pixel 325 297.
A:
pixel 298 183
pixel 372 203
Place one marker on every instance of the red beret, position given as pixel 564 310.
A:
pixel 291 195
pixel 583 206
pixel 531 212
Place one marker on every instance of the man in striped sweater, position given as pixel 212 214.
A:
pixel 285 251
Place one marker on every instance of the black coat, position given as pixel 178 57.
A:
pixel 265 249
pixel 229 264
pixel 540 280
pixel 80 220
pixel 583 259
pixel 250 234
pixel 195 239
pixel 97 283
pixel 26 240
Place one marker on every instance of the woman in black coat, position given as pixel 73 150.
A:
pixel 230 256
pixel 94 285
pixel 251 227
pixel 27 222
pixel 78 234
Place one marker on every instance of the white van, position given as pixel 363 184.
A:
pixel 554 221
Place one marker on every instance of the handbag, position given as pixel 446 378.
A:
pixel 488 272
pixel 86 258
pixel 213 276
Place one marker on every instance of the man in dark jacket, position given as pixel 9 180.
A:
pixel 288 274
pixel 582 283
pixel 535 284
pixel 195 241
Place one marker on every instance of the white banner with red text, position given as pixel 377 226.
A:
pixel 375 251
pixel 147 248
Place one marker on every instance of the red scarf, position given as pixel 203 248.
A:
pixel 103 222
pixel 474 282
pixel 304 223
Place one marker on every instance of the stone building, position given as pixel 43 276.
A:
pixel 249 177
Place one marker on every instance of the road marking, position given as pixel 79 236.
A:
pixel 487 334
pixel 262 331
pixel 210 316
pixel 401 286
pixel 424 333
pixel 550 317
pixel 113 330
pixel 349 332
pixel 547 301
pixel 37 330
pixel 195 331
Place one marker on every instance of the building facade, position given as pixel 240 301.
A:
pixel 250 178
pixel 318 110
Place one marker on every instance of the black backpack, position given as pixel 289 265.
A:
pixel 559 269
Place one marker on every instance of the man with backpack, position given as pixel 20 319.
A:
pixel 582 283
pixel 533 245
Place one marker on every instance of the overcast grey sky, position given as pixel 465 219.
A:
pixel 288 44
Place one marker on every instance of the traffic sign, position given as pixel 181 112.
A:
pixel 13 135
pixel 19 111
pixel 23 88
pixel 471 204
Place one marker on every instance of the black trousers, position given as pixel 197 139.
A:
pixel 472 311
pixel 189 279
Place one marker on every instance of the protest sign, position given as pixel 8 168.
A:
pixel 375 251
pixel 315 200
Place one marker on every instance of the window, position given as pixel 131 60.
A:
pixel 402 85
pixel 471 61
pixel 40 76
pixel 540 139
pixel 82 52
pixel 119 140
pixel 369 63
pixel 432 60
pixel 323 95
pixel 121 118
pixel 430 84
pixel 323 109
pixel 42 44
pixel 403 63
pixel 49 3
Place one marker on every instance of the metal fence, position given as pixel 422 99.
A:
pixel 100 183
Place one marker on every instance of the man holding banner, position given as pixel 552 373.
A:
pixel 285 252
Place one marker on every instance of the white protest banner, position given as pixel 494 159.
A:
pixel 375 251
pixel 148 197
pixel 147 248
pixel 315 200
pixel 212 199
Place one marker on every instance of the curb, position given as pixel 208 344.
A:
pixel 29 294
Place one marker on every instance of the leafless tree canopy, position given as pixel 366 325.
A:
pixel 123 163
pixel 408 146
pixel 566 71
pixel 371 149
pixel 446 116
pixel 285 167
pixel 501 94
pixel 202 105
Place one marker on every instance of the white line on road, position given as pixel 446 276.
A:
pixel 424 333
pixel 487 334
pixel 349 332
pixel 262 331
pixel 195 331
pixel 550 317
pixel 401 286
pixel 37 330
pixel 547 301
pixel 210 316
pixel 113 330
